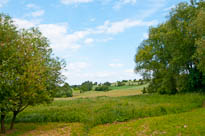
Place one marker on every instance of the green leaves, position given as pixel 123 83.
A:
pixel 174 53
pixel 29 74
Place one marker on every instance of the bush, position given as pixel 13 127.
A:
pixel 107 84
pixel 86 86
pixel 120 83
pixel 102 88
pixel 144 90
pixel 64 91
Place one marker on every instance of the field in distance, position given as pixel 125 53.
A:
pixel 114 92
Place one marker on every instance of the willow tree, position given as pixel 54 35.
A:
pixel 173 55
pixel 29 72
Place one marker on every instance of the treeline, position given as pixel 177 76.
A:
pixel 173 57
pixel 88 85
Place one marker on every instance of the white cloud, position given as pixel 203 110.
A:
pixel 56 33
pixel 77 66
pixel 89 41
pixel 61 39
pixel 3 2
pixel 75 1
pixel 145 36
pixel 77 77
pixel 23 23
pixel 120 3
pixel 129 71
pixel 120 26
pixel 32 6
pixel 37 13
pixel 113 65
pixel 105 39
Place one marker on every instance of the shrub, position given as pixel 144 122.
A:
pixel 107 84
pixel 102 88
pixel 64 91
pixel 86 86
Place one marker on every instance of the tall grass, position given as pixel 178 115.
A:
pixel 101 110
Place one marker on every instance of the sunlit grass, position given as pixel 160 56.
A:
pixel 47 129
pixel 183 124
pixel 101 110
pixel 91 112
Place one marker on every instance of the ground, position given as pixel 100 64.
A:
pixel 123 111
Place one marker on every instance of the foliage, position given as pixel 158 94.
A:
pixel 102 88
pixel 86 86
pixel 75 87
pixel 186 124
pixel 107 84
pixel 102 110
pixel 64 91
pixel 173 55
pixel 120 83
pixel 29 74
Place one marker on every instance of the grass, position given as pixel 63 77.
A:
pixel 145 115
pixel 102 110
pixel 183 124
pixel 140 87
pixel 91 113
pixel 115 92
pixel 47 129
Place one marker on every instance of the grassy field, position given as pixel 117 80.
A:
pixel 91 114
pixel 183 124
pixel 115 92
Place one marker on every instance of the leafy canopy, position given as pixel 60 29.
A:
pixel 174 54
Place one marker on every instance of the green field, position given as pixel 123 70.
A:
pixel 114 92
pixel 91 114
pixel 183 124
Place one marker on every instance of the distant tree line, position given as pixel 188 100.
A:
pixel 88 85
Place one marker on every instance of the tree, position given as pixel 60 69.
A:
pixel 86 86
pixel 29 72
pixel 102 88
pixel 9 35
pixel 120 83
pixel 173 55
pixel 107 84
pixel 64 91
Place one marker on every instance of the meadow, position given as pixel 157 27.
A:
pixel 91 114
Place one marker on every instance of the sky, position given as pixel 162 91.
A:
pixel 98 39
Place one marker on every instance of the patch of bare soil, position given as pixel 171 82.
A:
pixel 65 131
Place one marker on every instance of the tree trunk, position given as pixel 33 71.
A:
pixel 13 119
pixel 3 130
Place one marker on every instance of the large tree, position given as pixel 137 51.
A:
pixel 29 72
pixel 173 55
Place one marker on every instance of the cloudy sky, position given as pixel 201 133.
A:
pixel 97 38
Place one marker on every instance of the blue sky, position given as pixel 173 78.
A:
pixel 97 38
